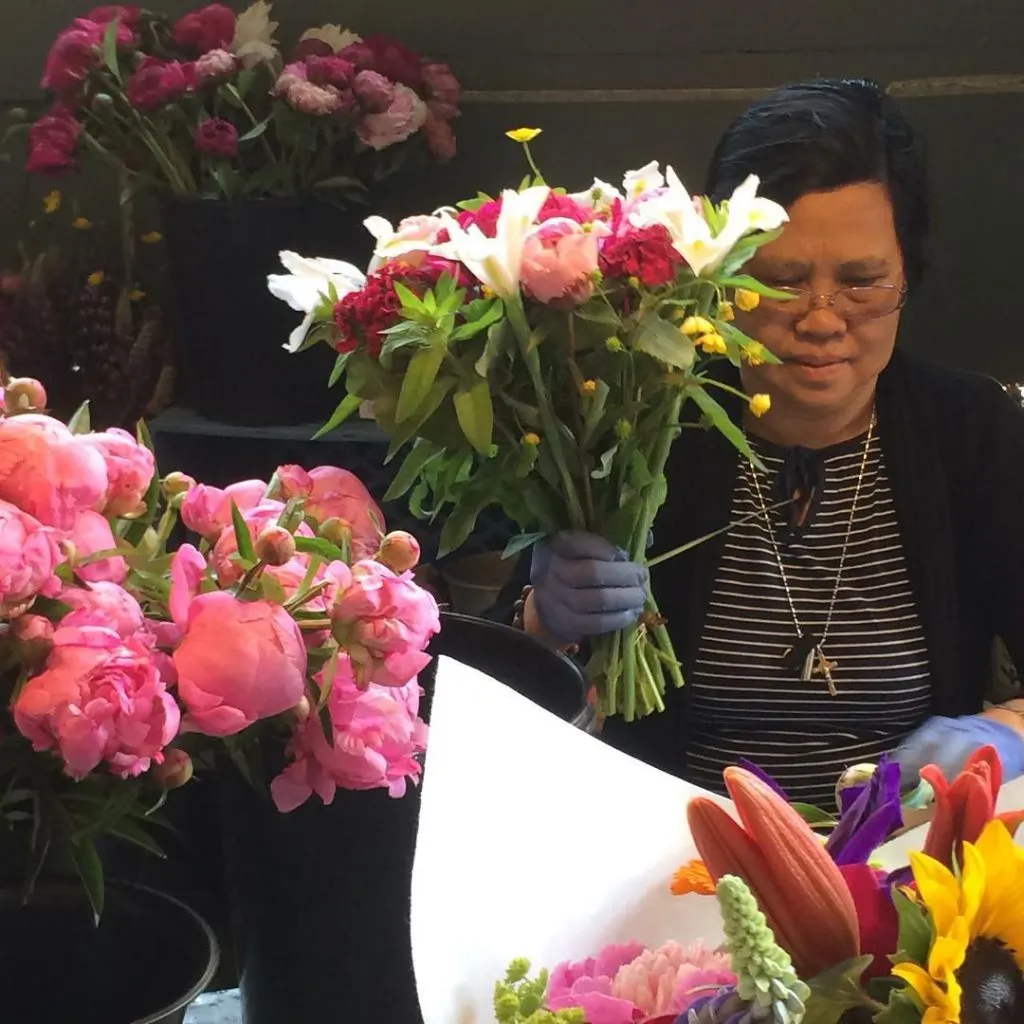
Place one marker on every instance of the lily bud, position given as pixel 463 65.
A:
pixel 24 394
pixel 176 770
pixel 399 551
pixel 275 546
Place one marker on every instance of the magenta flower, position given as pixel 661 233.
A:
pixel 587 984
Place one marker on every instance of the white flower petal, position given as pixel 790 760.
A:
pixel 298 336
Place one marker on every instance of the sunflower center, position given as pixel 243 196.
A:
pixel 992 983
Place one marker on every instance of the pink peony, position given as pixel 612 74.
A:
pixel 28 557
pixel 669 979
pixel 373 91
pixel 211 28
pixel 588 984
pixel 440 137
pixel 90 535
pixel 289 575
pixel 157 82
pixel 294 87
pixel 333 493
pixel 105 601
pixel 47 471
pixel 403 118
pixel 443 86
pixel 239 661
pixel 130 470
pixel 385 621
pixel 207 510
pixel 53 142
pixel 215 65
pixel 377 737
pixel 100 698
pixel 76 52
pixel 217 138
pixel 559 262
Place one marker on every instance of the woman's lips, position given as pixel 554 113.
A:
pixel 816 370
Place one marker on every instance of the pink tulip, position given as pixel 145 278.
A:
pixel 207 510
pixel 559 262
pixel 102 601
pixel 238 662
pixel 99 699
pixel 28 557
pixel 47 471
pixel 90 535
pixel 378 737
pixel 130 469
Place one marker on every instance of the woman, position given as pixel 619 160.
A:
pixel 853 607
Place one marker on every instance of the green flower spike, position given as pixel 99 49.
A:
pixel 766 978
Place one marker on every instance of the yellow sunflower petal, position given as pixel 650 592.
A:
pixel 973 877
pixel 938 890
pixel 949 951
pixel 940 1006
pixel 998 915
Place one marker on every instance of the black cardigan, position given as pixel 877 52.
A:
pixel 954 450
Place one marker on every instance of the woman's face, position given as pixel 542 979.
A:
pixel 839 239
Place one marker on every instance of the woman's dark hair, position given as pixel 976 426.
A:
pixel 823 134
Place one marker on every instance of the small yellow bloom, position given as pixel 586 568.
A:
pixel 589 387
pixel 634 283
pixel 623 429
pixel 747 300
pixel 487 293
pixel 613 344
pixel 693 877
pixel 754 353
pixel 51 201
pixel 152 237
pixel 531 440
pixel 136 295
pixel 695 325
pixel 760 404
pixel 524 134
pixel 96 278
pixel 725 312
pixel 712 343
pixel 81 224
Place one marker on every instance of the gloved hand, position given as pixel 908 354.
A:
pixel 583 586
pixel 949 742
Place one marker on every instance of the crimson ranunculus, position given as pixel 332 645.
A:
pixel 644 253
pixel 53 142
pixel 485 217
pixel 217 138
pixel 76 52
pixel 157 82
pixel 394 61
pixel 210 28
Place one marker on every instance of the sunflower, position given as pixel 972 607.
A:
pixel 975 964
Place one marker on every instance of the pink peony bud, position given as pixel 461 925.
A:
pixel 399 551
pixel 27 629
pixel 337 531
pixel 275 546
pixel 176 483
pixel 24 394
pixel 176 770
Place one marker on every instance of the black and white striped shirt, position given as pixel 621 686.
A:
pixel 744 702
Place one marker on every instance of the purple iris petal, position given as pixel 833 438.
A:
pixel 872 816
pixel 869 835
pixel 764 777
pixel 900 877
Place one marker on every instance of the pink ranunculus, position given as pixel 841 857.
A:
pixel 440 137
pixel 90 535
pixel 661 980
pixel 47 471
pixel 75 53
pixel 443 85
pixel 378 736
pixel 99 699
pixel 157 82
pixel 210 28
pixel 258 519
pixel 559 262
pixel 218 138
pixel 215 65
pixel 28 557
pixel 102 601
pixel 403 118
pixel 588 984
pixel 207 510
pixel 239 662
pixel 130 470
pixel 385 621
pixel 53 142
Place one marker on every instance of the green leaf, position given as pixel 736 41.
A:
pixel 403 334
pixel 90 870
pixel 272 590
pixel 837 990
pixel 902 1009
pixel 500 337
pixel 743 250
pixel 751 284
pixel 135 834
pixel 255 132
pixel 719 419
pixel 917 933
pixel 50 608
pixel 421 453
pixel 110 49
pixel 80 422
pixel 665 342
pixel 619 527
pixel 814 816
pixel 243 538
pixel 419 379
pixel 475 412
pixel 408 298
pixel 491 315
pixel 521 542
pixel 404 432
pixel 338 369
pixel 459 525
pixel 348 405
pixel 318 546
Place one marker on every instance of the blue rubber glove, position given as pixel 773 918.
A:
pixel 583 586
pixel 949 742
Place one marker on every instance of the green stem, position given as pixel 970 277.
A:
pixel 533 165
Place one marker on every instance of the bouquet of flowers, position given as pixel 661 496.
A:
pixel 205 105
pixel 293 620
pixel 535 352
pixel 814 931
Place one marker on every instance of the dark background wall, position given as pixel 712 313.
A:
pixel 616 83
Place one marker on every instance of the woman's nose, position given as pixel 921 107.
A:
pixel 820 322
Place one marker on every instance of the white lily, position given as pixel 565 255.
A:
pixel 643 180
pixel 497 262
pixel 336 37
pixel 598 196
pixel 307 283
pixel 254 41
pixel 746 211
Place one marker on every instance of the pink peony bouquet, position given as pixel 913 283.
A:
pixel 293 619
pixel 535 351
pixel 207 105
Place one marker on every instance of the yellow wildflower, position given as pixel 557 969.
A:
pixel 136 295
pixel 81 224
pixel 152 237
pixel 51 201
pixel 747 300
pixel 613 344
pixel 725 312
pixel 531 440
pixel 760 404
pixel 634 283
pixel 712 343
pixel 754 353
pixel 96 278
pixel 486 292
pixel 695 325
pixel 693 877
pixel 589 387
pixel 524 134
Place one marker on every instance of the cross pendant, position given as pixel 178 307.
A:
pixel 823 667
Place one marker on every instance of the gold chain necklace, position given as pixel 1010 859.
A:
pixel 807 653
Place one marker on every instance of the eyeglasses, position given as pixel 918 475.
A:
pixel 861 303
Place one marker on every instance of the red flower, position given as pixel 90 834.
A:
pixel 644 253
pixel 359 55
pixel 362 317
pixel 330 70
pixel 562 206
pixel 157 82
pixel 210 28
pixel 52 142
pixel 126 14
pixel 394 61
pixel 443 87
pixel 76 52
pixel 877 920
pixel 484 217
pixel 217 138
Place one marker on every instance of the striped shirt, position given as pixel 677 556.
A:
pixel 744 701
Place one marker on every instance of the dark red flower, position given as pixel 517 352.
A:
pixel 53 141
pixel 484 217
pixel 443 86
pixel 360 56
pixel 76 52
pixel 127 14
pixel 210 28
pixel 217 138
pixel 362 317
pixel 331 70
pixel 394 61
pixel 877 920
pixel 157 82
pixel 644 253
pixel 557 205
